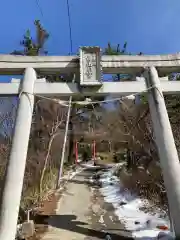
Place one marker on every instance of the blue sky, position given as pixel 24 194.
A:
pixel 149 26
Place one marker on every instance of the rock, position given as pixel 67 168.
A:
pixel 74 168
pixel 148 222
pixel 164 236
pixel 108 237
pixel 26 229
pixel 136 222
pixel 162 215
pixel 122 203
pixel 96 176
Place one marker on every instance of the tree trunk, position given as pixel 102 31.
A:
pixel 45 163
pixel 71 136
pixel 128 159
pixel 110 146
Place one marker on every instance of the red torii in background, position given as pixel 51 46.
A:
pixel 93 151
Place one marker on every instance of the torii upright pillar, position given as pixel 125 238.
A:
pixel 166 146
pixel 13 182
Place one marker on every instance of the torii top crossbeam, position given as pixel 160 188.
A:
pixel 89 68
pixel 12 65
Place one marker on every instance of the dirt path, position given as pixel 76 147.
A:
pixel 71 219
pixel 82 214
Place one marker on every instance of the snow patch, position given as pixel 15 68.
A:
pixel 89 164
pixel 73 174
pixel 127 208
pixel 101 220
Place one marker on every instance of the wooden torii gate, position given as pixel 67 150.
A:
pixel 90 65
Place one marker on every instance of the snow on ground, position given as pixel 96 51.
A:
pixel 72 173
pixel 89 164
pixel 79 168
pixel 127 208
